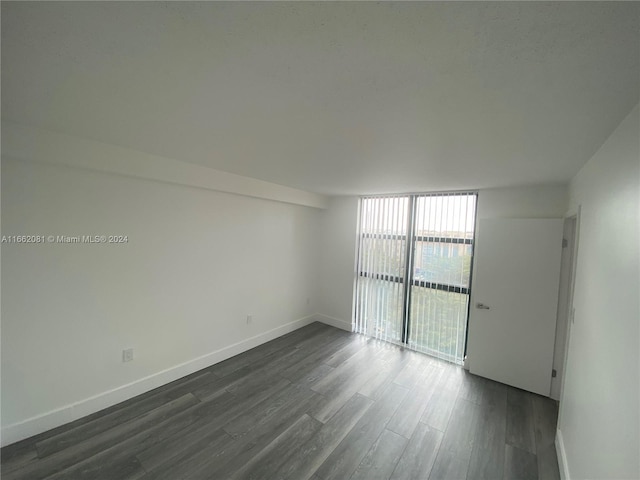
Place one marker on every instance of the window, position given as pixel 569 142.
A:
pixel 414 270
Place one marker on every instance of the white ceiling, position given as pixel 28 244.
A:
pixel 334 98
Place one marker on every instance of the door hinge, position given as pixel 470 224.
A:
pixel 565 243
pixel 554 373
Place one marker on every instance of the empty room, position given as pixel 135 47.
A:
pixel 320 240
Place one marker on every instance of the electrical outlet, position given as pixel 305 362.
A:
pixel 249 319
pixel 308 301
pixel 127 355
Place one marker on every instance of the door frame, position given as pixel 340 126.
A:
pixel 565 302
pixel 571 309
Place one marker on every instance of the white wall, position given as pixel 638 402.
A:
pixel 540 201
pixel 337 261
pixel 196 263
pixel 23 142
pixel 600 405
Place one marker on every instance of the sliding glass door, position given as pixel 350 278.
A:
pixel 442 244
pixel 382 266
pixel 414 271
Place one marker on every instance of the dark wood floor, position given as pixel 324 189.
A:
pixel 317 403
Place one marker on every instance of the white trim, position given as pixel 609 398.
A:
pixel 563 465
pixel 334 322
pixel 68 413
pixel 423 193
pixel 32 144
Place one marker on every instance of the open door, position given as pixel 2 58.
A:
pixel 514 301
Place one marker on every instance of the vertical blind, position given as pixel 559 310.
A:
pixel 414 270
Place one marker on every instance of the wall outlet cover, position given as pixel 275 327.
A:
pixel 127 355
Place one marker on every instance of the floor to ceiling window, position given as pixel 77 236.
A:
pixel 414 270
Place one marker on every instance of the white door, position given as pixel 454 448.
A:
pixel 514 301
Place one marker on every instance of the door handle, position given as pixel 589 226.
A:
pixel 482 306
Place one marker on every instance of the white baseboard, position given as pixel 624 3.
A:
pixel 562 457
pixel 334 322
pixel 60 416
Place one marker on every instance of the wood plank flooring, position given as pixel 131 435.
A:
pixel 318 403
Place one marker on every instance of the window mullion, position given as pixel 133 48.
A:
pixel 408 269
